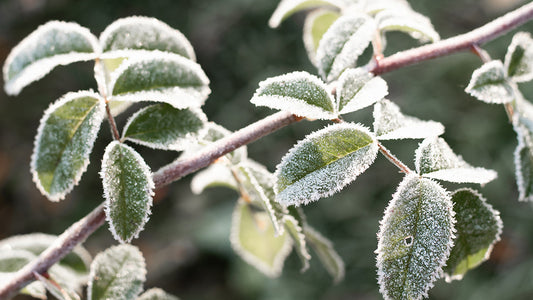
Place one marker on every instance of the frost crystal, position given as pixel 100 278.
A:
pixel 296 231
pixel 489 84
pixel 288 7
pixel 519 57
pixel 358 89
pixel 523 159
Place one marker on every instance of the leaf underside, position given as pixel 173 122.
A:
pixel 358 89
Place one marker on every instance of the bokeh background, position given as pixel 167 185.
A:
pixel 186 241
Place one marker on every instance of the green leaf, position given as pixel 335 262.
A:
pixel 489 84
pixel 161 126
pixel 254 239
pixel 519 57
pixel 59 292
pixel 288 7
pixel 160 77
pixel 324 162
pixel 415 238
pixel 34 289
pixel 216 175
pixel 328 256
pixel 523 159
pixel 52 44
pixel 143 33
pixel 117 273
pixel 128 191
pixel 391 124
pixel 343 43
pixel 358 89
pixel 435 159
pixel 316 24
pixel 64 142
pixel 156 294
pixel 12 260
pixel 478 228
pixel 299 93
pixel 408 21
pixel 374 7
pixel 295 230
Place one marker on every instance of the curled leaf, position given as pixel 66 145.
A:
pixel 316 24
pixel 409 21
pixel 288 7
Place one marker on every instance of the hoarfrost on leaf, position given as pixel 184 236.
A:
pixel 373 7
pixel 288 7
pixel 422 211
pixel 523 159
pixel 156 294
pixel 391 124
pixel 299 93
pixel 296 231
pixel 435 159
pixel 326 253
pixel 128 191
pixel 217 174
pixel 489 84
pixel 316 24
pixel 358 89
pixel 64 141
pixel 519 58
pixel 409 21
pixel 323 163
pixel 52 44
pixel 58 291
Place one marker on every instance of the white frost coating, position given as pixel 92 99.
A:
pixel 299 239
pixel 179 97
pixel 361 89
pixel 525 143
pixel 464 175
pixel 417 25
pixel 374 6
pixel 156 294
pixel 94 125
pixel 489 84
pixel 331 178
pixel 109 181
pixel 391 124
pixel 317 240
pixel 300 82
pixel 29 48
pixel 217 174
pixel 524 71
pixel 288 7
pixel 172 36
pixel 309 39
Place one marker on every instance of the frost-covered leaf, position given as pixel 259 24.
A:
pixel 64 142
pixel 415 238
pixel 34 289
pixel 117 273
pixel 409 21
pixel 216 175
pixel 519 58
pixel 489 84
pixel 296 231
pixel 324 162
pixel 161 126
pixel 128 191
pixel 254 239
pixel 478 228
pixel 523 159
pixel 52 44
pixel 299 93
pixel 373 7
pixel 145 33
pixel 343 43
pixel 161 77
pixel 391 124
pixel 435 159
pixel 12 260
pixel 328 256
pixel 288 7
pixel 316 24
pixel 156 294
pixel 59 292
pixel 358 89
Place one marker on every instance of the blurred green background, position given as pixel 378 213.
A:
pixel 186 241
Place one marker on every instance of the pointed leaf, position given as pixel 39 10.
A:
pixel 216 175
pixel 519 57
pixel 64 142
pixel 52 44
pixel 323 163
pixel 328 256
pixel 253 238
pixel 156 294
pixel 391 124
pixel 435 159
pixel 343 43
pixel 288 7
pixel 295 230
pixel 478 228
pixel 316 24
pixel 161 77
pixel 299 93
pixel 358 89
pixel 409 21
pixel 128 191
pixel 161 126
pixel 415 238
pixel 523 159
pixel 117 273
pixel 145 33
pixel 489 84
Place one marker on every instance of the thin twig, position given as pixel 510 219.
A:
pixel 395 161
pixel 102 88
pixel 481 53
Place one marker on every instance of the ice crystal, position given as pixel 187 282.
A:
pixel 358 89
pixel 489 84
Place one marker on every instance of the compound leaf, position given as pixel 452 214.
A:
pixel 316 24
pixel 478 228
pixel 117 273
pixel 435 159
pixel 408 21
pixel 288 7
pixel 391 124
pixel 489 84
pixel 324 162
pixel 328 256
pixel 52 44
pixel 156 294
pixel 519 57
pixel 216 175
pixel 358 89
pixel 161 126
pixel 128 191
pixel 64 142
pixel 299 93
pixel 415 238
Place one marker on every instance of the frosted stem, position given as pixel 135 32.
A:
pixel 395 161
